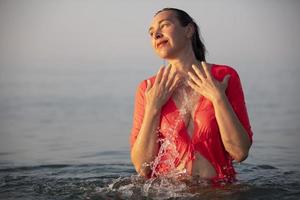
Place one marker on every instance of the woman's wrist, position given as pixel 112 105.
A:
pixel 219 97
pixel 152 110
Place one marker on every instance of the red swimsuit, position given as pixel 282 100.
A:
pixel 206 137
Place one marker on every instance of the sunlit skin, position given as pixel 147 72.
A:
pixel 172 42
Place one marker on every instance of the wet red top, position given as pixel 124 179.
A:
pixel 206 137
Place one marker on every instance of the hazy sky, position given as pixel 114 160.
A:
pixel 98 33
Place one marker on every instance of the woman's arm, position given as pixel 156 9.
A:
pixel 233 134
pixel 145 145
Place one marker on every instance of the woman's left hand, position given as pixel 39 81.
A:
pixel 206 84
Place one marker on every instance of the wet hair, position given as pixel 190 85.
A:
pixel 185 19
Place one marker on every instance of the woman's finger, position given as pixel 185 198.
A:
pixel 174 84
pixel 196 80
pixel 165 75
pixel 170 79
pixel 148 85
pixel 159 75
pixel 192 85
pixel 198 72
pixel 206 70
pixel 225 81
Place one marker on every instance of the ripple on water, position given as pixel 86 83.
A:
pixel 102 181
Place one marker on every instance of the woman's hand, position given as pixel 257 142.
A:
pixel 206 85
pixel 161 90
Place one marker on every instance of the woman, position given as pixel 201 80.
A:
pixel 191 117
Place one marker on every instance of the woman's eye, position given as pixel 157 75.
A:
pixel 163 25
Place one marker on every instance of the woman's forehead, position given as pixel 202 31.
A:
pixel 164 15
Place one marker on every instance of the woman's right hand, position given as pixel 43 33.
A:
pixel 164 85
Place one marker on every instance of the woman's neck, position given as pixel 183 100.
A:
pixel 182 64
pixel 182 67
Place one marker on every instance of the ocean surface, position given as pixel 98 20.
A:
pixel 64 134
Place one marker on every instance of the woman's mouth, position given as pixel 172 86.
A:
pixel 161 43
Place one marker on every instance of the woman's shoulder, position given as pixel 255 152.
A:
pixel 143 84
pixel 221 70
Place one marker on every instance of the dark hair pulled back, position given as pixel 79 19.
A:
pixel 185 19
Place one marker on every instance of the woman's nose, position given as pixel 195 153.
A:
pixel 157 35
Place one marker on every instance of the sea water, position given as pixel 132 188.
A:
pixel 65 135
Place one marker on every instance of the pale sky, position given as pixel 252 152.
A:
pixel 48 46
pixel 114 33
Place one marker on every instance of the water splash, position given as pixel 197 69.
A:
pixel 161 185
pixel 175 183
pixel 163 182
pixel 166 187
pixel 168 144
pixel 98 181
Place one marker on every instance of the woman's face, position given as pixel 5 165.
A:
pixel 168 37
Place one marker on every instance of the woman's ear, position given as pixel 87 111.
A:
pixel 190 29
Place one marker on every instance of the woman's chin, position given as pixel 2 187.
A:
pixel 164 55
